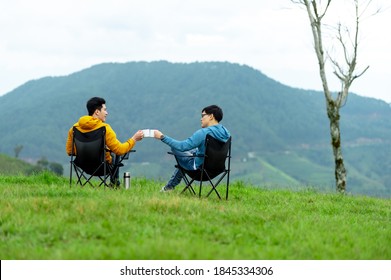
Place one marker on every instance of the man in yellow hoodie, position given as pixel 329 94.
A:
pixel 97 113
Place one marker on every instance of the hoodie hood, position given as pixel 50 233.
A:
pixel 89 123
pixel 219 132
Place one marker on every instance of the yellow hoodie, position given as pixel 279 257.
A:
pixel 88 123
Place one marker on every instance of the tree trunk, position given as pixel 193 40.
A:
pixel 316 10
pixel 335 133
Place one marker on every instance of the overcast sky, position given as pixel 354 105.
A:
pixel 58 37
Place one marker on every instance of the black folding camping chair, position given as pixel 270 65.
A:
pixel 216 166
pixel 88 159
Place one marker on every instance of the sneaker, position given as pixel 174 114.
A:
pixel 166 189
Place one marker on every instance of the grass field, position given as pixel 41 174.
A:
pixel 41 217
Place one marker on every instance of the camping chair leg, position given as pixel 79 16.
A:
pixel 104 181
pixel 71 165
pixel 214 186
pixel 87 180
pixel 88 183
pixel 213 189
pixel 104 171
pixel 79 176
pixel 202 175
pixel 226 192
pixel 188 186
pixel 187 182
pixel 70 176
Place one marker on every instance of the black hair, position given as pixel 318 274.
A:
pixel 95 103
pixel 215 110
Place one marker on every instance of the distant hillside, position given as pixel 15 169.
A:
pixel 13 166
pixel 280 134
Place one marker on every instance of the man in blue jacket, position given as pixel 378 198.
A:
pixel 211 117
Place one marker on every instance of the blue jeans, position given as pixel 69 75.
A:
pixel 186 161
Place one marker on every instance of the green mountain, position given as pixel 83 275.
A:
pixel 280 134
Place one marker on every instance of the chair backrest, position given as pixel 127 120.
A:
pixel 90 150
pixel 216 154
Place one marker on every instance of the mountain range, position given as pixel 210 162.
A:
pixel 280 133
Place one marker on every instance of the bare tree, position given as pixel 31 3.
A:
pixel 344 69
pixel 17 150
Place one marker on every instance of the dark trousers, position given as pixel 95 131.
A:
pixel 114 178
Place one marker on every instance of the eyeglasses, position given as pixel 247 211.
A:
pixel 203 115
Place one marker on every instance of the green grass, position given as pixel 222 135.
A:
pixel 41 217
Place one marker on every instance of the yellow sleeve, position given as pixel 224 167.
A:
pixel 115 145
pixel 68 146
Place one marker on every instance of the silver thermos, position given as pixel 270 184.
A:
pixel 127 180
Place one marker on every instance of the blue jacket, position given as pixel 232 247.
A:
pixel 197 140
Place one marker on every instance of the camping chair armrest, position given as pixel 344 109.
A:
pixel 126 155
pixel 123 156
pixel 178 155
